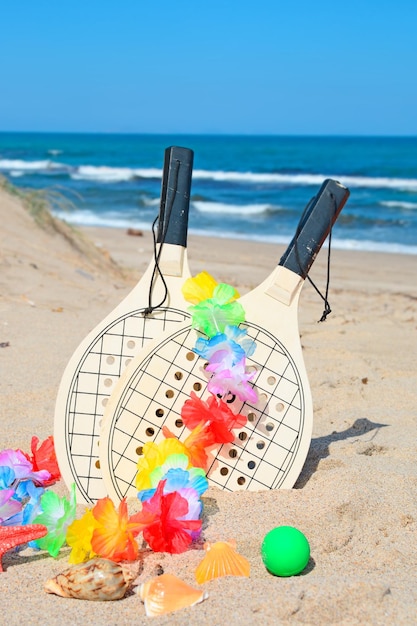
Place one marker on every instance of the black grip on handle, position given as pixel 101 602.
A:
pixel 315 224
pixel 175 196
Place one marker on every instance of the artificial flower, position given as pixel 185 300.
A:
pixel 213 315
pixel 199 287
pixel 154 455
pixel 22 466
pixel 33 496
pixel 44 458
pixel 166 526
pixel 215 414
pixel 231 346
pixel 177 475
pixel 233 380
pixel 57 514
pixel 79 535
pixel 195 446
pixel 7 477
pixel 9 506
pixel 114 533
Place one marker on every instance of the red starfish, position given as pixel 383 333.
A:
pixel 12 536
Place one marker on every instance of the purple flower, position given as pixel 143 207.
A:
pixel 9 506
pixel 22 467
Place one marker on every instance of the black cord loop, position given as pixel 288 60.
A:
pixel 157 253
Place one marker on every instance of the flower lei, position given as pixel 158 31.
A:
pixel 171 475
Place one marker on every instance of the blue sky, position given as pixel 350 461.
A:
pixel 261 66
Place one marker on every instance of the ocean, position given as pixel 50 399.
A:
pixel 247 187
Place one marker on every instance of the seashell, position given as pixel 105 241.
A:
pixel 167 593
pixel 97 579
pixel 221 559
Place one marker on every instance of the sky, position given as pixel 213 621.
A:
pixel 293 67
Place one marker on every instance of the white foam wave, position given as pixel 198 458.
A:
pixel 397 204
pixel 33 166
pixel 105 174
pixel 232 209
pixel 338 244
pixel 408 184
pixel 88 218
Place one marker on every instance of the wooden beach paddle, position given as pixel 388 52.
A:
pixel 154 305
pixel 270 450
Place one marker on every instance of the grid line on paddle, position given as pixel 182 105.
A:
pixel 98 370
pixel 263 450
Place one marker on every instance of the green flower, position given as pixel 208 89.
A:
pixel 57 514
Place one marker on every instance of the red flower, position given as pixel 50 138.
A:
pixel 44 458
pixel 165 527
pixel 215 414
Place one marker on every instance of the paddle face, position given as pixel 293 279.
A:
pixel 99 361
pixel 270 450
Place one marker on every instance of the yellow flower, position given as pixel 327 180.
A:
pixel 198 288
pixel 154 455
pixel 79 536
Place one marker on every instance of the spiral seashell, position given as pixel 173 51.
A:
pixel 97 579
pixel 167 593
pixel 221 559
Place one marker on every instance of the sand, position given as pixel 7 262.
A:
pixel 355 499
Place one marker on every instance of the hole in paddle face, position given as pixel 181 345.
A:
pixel 178 375
pixel 150 432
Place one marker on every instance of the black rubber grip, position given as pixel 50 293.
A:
pixel 175 196
pixel 315 224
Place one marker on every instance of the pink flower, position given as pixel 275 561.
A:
pixel 23 467
pixel 233 380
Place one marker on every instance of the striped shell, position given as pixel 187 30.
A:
pixel 167 593
pixel 97 579
pixel 221 559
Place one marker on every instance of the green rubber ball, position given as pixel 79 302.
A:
pixel 285 551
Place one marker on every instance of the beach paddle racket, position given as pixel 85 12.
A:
pixel 154 305
pixel 270 450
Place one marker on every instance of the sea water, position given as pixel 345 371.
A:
pixel 248 187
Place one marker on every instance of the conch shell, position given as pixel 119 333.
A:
pixel 221 559
pixel 167 593
pixel 97 579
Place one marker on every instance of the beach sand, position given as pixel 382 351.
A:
pixel 355 499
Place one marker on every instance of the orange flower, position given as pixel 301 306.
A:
pixel 114 535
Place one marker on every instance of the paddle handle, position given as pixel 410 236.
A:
pixel 175 196
pixel 314 227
